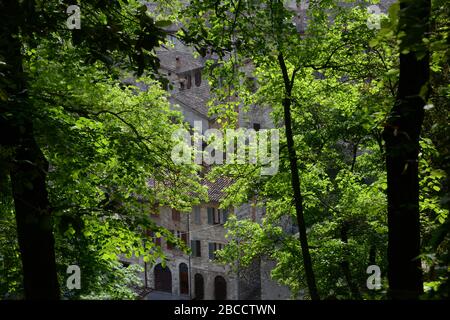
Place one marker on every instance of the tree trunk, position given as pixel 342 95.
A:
pixel 295 180
pixel 34 223
pixel 28 166
pixel 372 255
pixel 401 135
pixel 345 266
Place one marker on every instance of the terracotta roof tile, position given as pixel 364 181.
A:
pixel 215 189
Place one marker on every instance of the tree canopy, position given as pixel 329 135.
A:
pixel 363 113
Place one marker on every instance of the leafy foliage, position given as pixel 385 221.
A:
pixel 345 82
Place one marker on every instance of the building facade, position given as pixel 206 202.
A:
pixel 199 275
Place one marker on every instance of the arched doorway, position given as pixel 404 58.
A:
pixel 220 288
pixel 184 278
pixel 199 287
pixel 163 278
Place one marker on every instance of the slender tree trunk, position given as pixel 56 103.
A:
pixel 401 135
pixel 295 180
pixel 372 255
pixel 28 168
pixel 345 266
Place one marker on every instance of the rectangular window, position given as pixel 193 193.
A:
pixel 212 248
pixel 214 216
pixel 176 215
pixel 198 78
pixel 189 81
pixel 223 215
pixel 197 217
pixel 184 237
pixel 211 251
pixel 256 126
pixel 211 215
pixel 181 235
pixel 196 248
pixel 169 245
pixel 217 217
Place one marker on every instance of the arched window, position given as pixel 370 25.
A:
pixel 198 78
pixel 220 288
pixel 184 279
pixel 199 287
pixel 163 278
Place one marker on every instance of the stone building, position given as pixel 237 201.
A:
pixel 199 276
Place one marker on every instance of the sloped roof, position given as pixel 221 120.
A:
pixel 195 98
pixel 215 189
pixel 168 61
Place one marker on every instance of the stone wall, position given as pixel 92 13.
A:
pixel 270 289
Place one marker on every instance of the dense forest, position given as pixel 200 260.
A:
pixel 361 102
